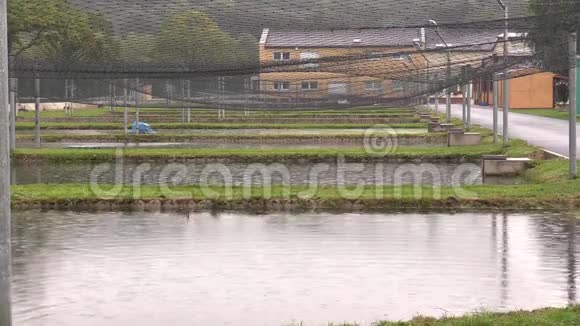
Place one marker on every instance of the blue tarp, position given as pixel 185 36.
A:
pixel 144 129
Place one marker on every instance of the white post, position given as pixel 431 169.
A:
pixel 5 233
pixel 37 112
pixel 572 110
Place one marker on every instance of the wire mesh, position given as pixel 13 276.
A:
pixel 271 55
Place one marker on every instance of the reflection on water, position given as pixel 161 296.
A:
pixel 252 173
pixel 234 269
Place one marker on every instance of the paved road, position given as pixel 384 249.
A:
pixel 547 133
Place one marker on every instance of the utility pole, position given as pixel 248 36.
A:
pixel 5 233
pixel 37 112
pixel 572 110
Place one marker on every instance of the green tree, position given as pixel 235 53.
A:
pixel 193 38
pixel 551 23
pixel 57 31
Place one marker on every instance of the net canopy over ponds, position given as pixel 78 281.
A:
pixel 268 54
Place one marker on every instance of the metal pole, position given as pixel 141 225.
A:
pixel 114 96
pixel 464 105
pixel 110 97
pixel 437 102
pixel 572 110
pixel 137 117
pixel 506 98
pixel 246 82
pixel 126 104
pixel 5 234
pixel 13 110
pixel 448 96
pixel 189 101
pixel 495 109
pixel 37 112
pixel 182 95
pixel 468 104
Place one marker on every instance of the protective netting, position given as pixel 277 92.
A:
pixel 275 54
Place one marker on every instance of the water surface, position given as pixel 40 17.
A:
pixel 144 269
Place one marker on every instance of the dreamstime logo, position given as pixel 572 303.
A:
pixel 380 140
pixel 349 180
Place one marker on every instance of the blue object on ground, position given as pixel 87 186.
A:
pixel 144 129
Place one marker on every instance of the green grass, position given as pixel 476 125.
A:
pixel 548 113
pixel 103 155
pixel 118 126
pixel 569 316
pixel 347 134
pixel 501 196
pixel 543 317
pixel 60 114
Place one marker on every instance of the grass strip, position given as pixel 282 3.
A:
pixel 516 148
pixel 212 136
pixel 547 113
pixel 543 317
pixel 559 193
pixel 114 126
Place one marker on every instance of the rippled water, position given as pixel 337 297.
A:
pixel 234 269
pixel 253 173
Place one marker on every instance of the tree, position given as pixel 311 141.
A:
pixel 552 22
pixel 193 39
pixel 56 31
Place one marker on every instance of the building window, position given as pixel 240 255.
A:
pixel 401 56
pixel 312 58
pixel 397 85
pixel 374 85
pixel 281 56
pixel 310 85
pixel 281 85
pixel 373 55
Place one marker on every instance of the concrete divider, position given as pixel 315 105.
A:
pixel 461 138
pixel 500 165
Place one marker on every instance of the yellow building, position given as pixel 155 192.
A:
pixel 349 65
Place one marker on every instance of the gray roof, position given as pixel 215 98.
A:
pixel 343 38
pixel 463 39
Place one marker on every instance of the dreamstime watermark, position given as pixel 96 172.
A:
pixel 379 140
pixel 374 177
